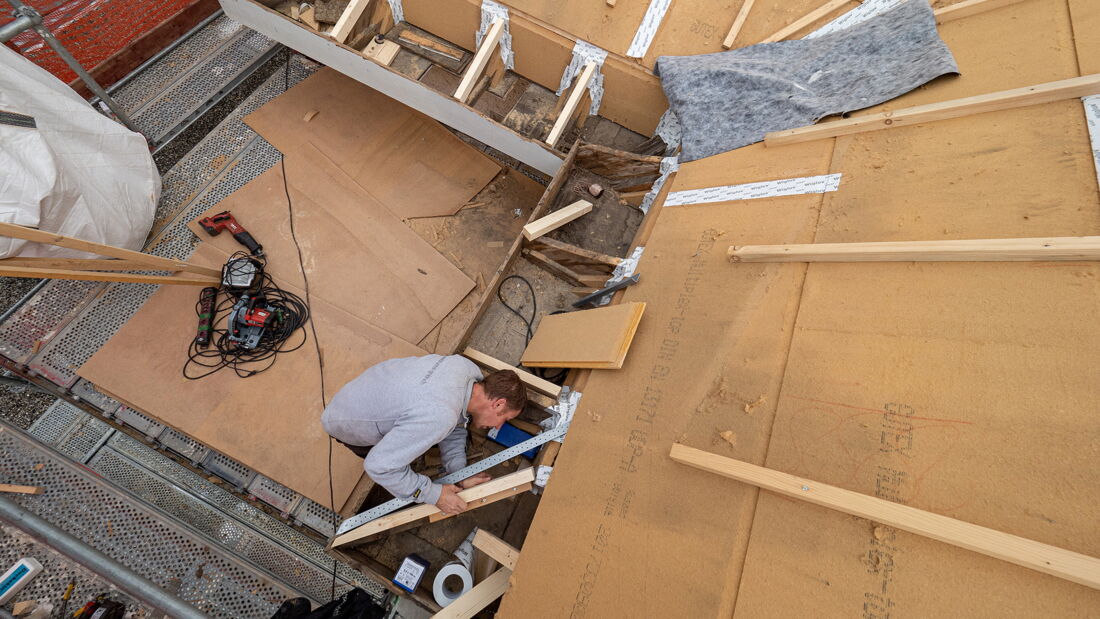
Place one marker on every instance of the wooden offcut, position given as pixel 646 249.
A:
pixel 806 20
pixel 738 23
pixel 595 339
pixel 555 220
pixel 532 382
pixel 474 600
pixel 976 250
pixel 580 87
pixel 1006 99
pixel 501 551
pixel 348 19
pixel 1071 566
pixel 480 61
pixel 17 489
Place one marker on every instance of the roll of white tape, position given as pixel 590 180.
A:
pixel 443 588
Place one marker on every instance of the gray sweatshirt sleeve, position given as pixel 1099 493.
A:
pixel 388 463
pixel 452 449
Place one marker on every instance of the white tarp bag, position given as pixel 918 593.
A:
pixel 78 173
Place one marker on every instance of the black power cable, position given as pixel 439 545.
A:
pixel 529 322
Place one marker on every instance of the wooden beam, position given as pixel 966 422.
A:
pixel 555 268
pixel 501 551
pixel 476 599
pixel 574 100
pixel 968 8
pixel 492 498
pixel 742 15
pixel 96 276
pixel 15 489
pixel 1006 99
pixel 76 264
pixel 410 514
pixel 1072 566
pixel 977 250
pixel 50 238
pixel 533 382
pixel 555 220
pixel 806 20
pixel 480 61
pixel 348 19
pixel 584 254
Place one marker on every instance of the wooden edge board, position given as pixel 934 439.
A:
pixel 347 19
pixel 968 8
pixel 480 61
pixel 574 100
pixel 474 600
pixel 806 20
pixel 738 22
pixel 501 551
pixel 555 220
pixel 555 268
pixel 532 382
pixel 620 355
pixel 78 264
pixel 17 489
pixel 417 512
pixel 492 498
pixel 1003 100
pixel 1067 248
pixel 96 276
pixel 1071 566
pixel 59 240
pixel 579 252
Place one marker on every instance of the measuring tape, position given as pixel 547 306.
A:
pixel 565 407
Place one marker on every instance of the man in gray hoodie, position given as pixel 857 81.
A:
pixel 398 409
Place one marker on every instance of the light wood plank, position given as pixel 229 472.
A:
pixel 96 276
pixel 382 53
pixel 1006 99
pixel 738 22
pixel 1072 566
pixel 585 254
pixel 492 498
pixel 417 512
pixel 533 382
pixel 806 20
pixel 555 220
pixel 77 264
pixel 16 489
pixel 501 551
pixel 574 100
pixel 347 19
pixel 480 61
pixel 968 8
pixel 976 250
pixel 555 268
pixel 477 598
pixel 50 238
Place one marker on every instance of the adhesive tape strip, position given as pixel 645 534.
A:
pixel 445 594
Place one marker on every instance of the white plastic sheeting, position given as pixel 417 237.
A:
pixel 78 173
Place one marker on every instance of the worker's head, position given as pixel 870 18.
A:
pixel 498 397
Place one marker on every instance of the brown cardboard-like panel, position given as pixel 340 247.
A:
pixel 595 338
pixel 406 160
pixel 357 255
pixel 270 421
pixel 619 515
pixel 610 28
pixel 1086 34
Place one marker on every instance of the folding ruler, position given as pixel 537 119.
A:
pixel 563 410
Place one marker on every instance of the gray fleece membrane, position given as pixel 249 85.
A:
pixel 731 99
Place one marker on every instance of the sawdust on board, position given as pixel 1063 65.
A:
pixel 720 394
pixel 729 436
pixel 750 406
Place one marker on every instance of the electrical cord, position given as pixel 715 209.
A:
pixel 528 322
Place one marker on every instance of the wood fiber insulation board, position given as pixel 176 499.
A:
pixel 610 28
pixel 595 338
pixel 358 255
pixel 633 95
pixel 618 532
pixel 270 421
pixel 408 161
pixel 1086 34
pixel 962 389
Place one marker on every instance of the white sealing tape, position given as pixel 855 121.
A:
pixel 668 129
pixel 749 191
pixel 490 12
pixel 443 589
pixel 668 166
pixel 542 475
pixel 643 37
pixel 858 15
pixel 1092 117
pixel 584 53
pixel 397 10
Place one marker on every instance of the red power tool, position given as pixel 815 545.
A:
pixel 225 221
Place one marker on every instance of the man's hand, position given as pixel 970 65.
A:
pixel 449 502
pixel 475 480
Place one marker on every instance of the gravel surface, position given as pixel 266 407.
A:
pixel 22 405
pixel 14 288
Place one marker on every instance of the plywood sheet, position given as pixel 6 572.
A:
pixel 270 421
pixel 406 160
pixel 963 389
pixel 595 338
pixel 358 255
pixel 619 532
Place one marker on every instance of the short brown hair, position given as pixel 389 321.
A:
pixel 506 384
